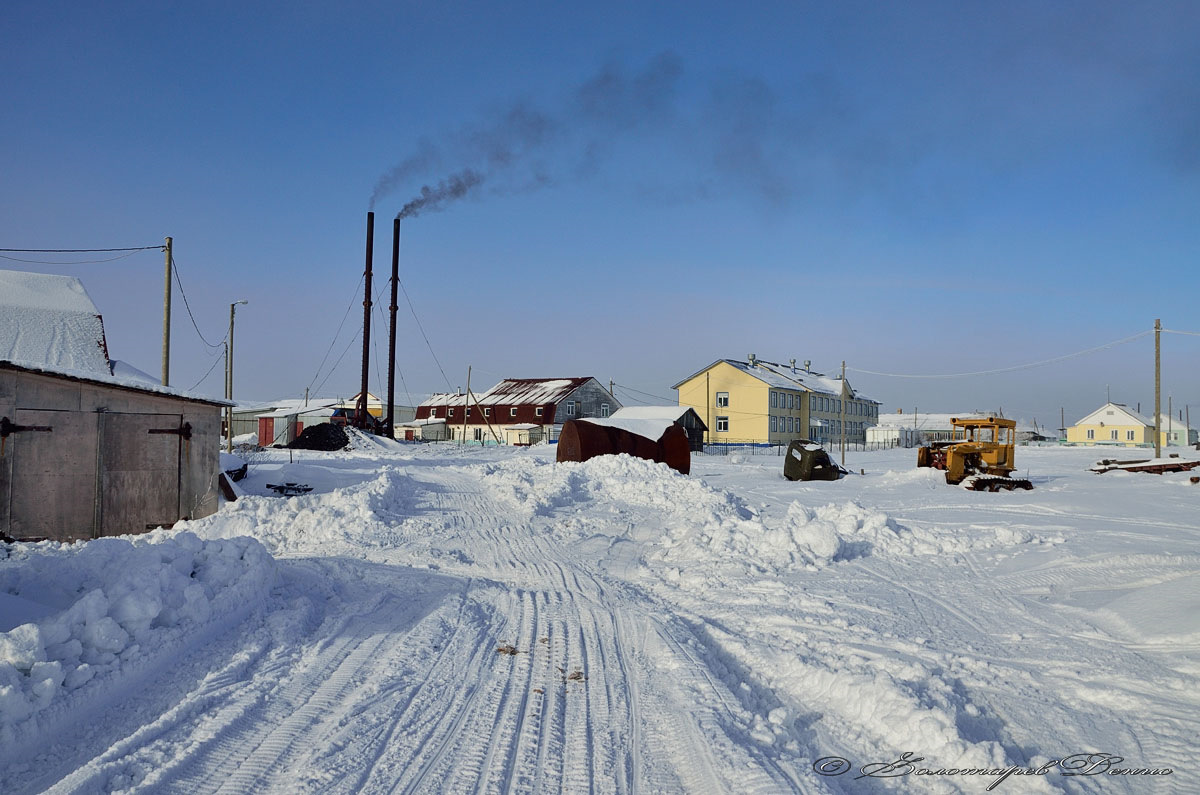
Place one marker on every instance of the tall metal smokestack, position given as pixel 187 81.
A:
pixel 361 405
pixel 391 396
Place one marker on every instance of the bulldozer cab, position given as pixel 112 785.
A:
pixel 992 430
pixel 979 446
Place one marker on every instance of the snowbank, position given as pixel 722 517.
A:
pixel 86 617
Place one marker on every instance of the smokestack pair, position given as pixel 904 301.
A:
pixel 361 408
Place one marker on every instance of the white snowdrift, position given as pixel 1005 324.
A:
pixel 82 619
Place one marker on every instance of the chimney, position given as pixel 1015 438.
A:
pixel 750 359
pixel 808 365
pixel 899 411
pixel 793 361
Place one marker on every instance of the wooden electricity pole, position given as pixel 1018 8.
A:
pixel 166 347
pixel 842 415
pixel 466 405
pixel 1157 388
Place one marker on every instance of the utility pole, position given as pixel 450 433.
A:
pixel 466 405
pixel 1157 387
pixel 391 381
pixel 166 349
pixel 229 380
pixel 842 414
pixel 360 408
pixel 1170 423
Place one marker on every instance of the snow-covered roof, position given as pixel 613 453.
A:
pixel 785 377
pixel 1172 423
pixel 49 323
pixel 652 429
pixel 299 411
pixel 670 414
pixel 926 421
pixel 516 392
pixel 1115 414
pixel 290 405
pixel 421 423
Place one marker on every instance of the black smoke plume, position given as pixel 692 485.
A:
pixel 432 199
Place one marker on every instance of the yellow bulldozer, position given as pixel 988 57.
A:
pixel 979 456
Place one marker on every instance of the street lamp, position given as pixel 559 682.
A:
pixel 229 379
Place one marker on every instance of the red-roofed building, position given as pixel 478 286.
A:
pixel 545 403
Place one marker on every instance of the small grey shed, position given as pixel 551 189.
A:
pixel 91 447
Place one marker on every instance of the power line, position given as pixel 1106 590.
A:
pixel 647 394
pixel 216 361
pixel 76 262
pixel 160 247
pixel 1009 369
pixel 333 341
pixel 188 306
pixel 346 350
pixel 421 328
pixel 1188 333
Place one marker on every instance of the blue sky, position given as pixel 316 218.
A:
pixel 916 188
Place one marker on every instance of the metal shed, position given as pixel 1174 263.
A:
pixel 83 459
pixel 91 447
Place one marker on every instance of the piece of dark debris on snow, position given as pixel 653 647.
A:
pixel 507 649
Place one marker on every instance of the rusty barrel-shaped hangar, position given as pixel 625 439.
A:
pixel 583 439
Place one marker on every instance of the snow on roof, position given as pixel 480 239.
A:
pixel 1174 423
pixel 516 392
pixel 421 423
pixel 292 404
pixel 49 323
pixel 926 421
pixel 299 411
pixel 650 428
pixel 1115 414
pixel 784 377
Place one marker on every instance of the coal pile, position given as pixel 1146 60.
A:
pixel 320 437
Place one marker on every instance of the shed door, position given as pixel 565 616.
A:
pixel 140 472
pixel 53 475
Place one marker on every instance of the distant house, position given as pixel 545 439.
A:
pixel 1175 431
pixel 765 402
pixel 683 416
pixel 1113 424
pixel 283 424
pixel 429 430
pixel 517 402
pixel 91 447
pixel 281 421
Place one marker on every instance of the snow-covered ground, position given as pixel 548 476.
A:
pixel 440 619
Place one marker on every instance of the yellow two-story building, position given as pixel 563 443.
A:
pixel 756 401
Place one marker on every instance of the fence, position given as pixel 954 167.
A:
pixel 748 447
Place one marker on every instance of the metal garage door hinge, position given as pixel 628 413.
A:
pixel 8 428
pixel 185 431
